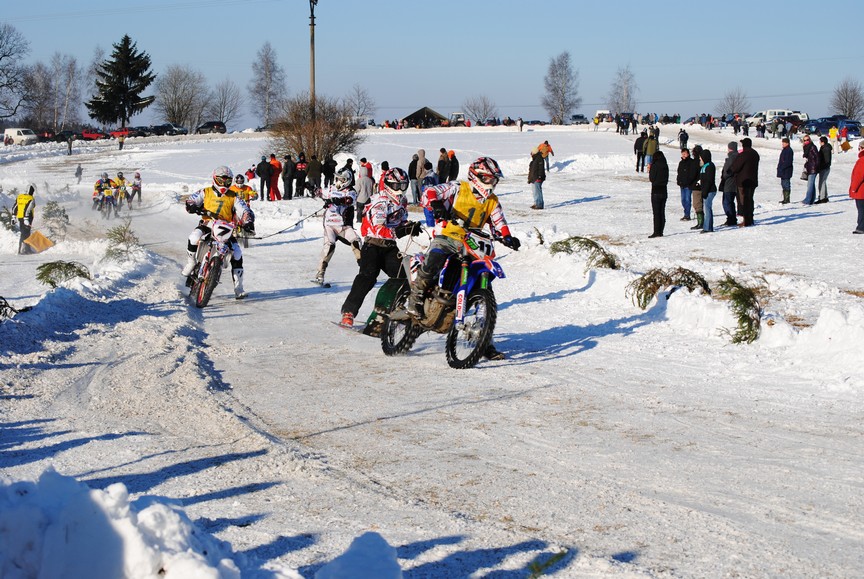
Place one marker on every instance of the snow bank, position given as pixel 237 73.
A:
pixel 58 527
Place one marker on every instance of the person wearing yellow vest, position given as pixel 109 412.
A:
pixel 220 200
pixel 244 191
pixel 456 207
pixel 24 208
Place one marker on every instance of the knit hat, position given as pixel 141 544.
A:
pixel 746 142
pixel 733 146
pixel 706 155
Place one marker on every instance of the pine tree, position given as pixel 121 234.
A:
pixel 120 80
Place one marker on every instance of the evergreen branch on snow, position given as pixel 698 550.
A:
pixel 8 220
pixel 56 219
pixel 597 256
pixel 746 305
pixel 643 289
pixel 539 569
pixel 540 239
pixel 54 273
pixel 122 242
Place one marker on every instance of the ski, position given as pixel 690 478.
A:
pixel 319 283
pixel 355 328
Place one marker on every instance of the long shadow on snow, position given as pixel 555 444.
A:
pixel 16 434
pixel 276 548
pixel 578 201
pixel 43 324
pixel 790 217
pixel 568 340
pixel 142 482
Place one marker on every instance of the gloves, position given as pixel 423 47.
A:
pixel 414 228
pixel 192 208
pixel 439 212
pixel 249 228
pixel 512 242
pixel 328 202
pixel 27 223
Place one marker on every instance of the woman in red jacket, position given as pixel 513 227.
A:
pixel 856 187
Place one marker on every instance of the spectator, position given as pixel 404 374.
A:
pixel 385 166
pixel 856 187
pixel 421 170
pixel 288 168
pixel 708 186
pixel 688 175
pixel 120 140
pixel 649 148
pixel 696 194
pixel 638 148
pixel 453 174
pixel 811 168
pixel 843 135
pixel 274 179
pixel 546 150
pixel 519 123
pixel 683 137
pixel 729 186
pixel 784 170
pixel 658 175
pixel 833 135
pixel 413 182
pixel 366 186
pixel 300 175
pixel 313 173
pixel 824 169
pixel 264 170
pixel 745 170
pixel 536 176
pixel 443 169
pixel 328 170
pixel 79 172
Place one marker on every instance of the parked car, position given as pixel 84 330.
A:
pixel 211 127
pixel 169 129
pixel 536 123
pixel 853 127
pixel 63 136
pixel 19 136
pixel 92 135
pixel 795 120
pixel 45 135
pixel 578 120
pixel 127 132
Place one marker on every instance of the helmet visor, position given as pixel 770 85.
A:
pixel 399 186
pixel 488 179
pixel 222 180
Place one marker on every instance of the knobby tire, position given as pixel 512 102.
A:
pixel 475 333
pixel 398 336
pixel 209 282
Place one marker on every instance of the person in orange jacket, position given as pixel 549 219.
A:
pixel 856 187
pixel 546 149
pixel 274 178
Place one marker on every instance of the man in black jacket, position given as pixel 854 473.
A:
pixel 745 169
pixel 658 174
pixel 638 148
pixel 688 174
pixel 264 170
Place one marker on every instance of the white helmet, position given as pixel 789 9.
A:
pixel 342 180
pixel 222 179
pixel 483 174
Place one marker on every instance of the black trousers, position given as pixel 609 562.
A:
pixel 374 258
pixel 640 162
pixel 265 189
pixel 288 185
pixel 658 208
pixel 25 233
pixel 745 201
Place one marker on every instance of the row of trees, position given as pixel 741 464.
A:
pixel 562 95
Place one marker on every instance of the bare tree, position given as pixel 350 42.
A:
pixel 848 99
pixel 67 90
pixel 562 88
pixel 226 102
pixel 359 103
pixel 37 108
pixel 479 108
pixel 622 93
pixel 90 74
pixel 328 133
pixel 182 95
pixel 13 89
pixel 267 89
pixel 734 101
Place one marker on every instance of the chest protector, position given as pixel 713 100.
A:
pixel 471 211
pixel 223 205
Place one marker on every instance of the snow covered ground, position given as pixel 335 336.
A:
pixel 139 434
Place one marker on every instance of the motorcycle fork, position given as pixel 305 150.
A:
pixel 462 293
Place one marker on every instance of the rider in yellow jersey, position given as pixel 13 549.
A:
pixel 222 201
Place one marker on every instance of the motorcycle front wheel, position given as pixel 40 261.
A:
pixel 208 282
pixel 398 336
pixel 467 341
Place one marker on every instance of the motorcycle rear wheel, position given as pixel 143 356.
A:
pixel 208 282
pixel 398 336
pixel 466 342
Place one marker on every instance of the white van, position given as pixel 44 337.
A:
pixel 767 115
pixel 20 136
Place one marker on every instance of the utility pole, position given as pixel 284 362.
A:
pixel 312 4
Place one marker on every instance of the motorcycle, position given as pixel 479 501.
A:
pixel 108 207
pixel 461 305
pixel 213 255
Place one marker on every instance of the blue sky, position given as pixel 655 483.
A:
pixel 685 55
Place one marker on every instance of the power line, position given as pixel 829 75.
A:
pixel 135 10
